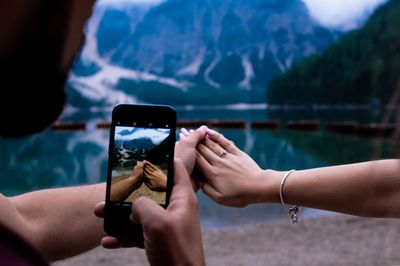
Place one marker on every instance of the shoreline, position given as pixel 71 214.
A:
pixel 335 240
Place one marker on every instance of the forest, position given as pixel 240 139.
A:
pixel 363 67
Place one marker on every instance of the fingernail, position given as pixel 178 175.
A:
pixel 132 218
pixel 191 131
pixel 184 131
pixel 203 127
pixel 181 136
pixel 211 132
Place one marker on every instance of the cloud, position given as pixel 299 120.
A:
pixel 157 135
pixel 341 14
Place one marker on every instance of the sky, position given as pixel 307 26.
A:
pixel 157 135
pixel 336 14
pixel 341 14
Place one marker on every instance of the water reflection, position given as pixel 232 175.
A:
pixel 55 159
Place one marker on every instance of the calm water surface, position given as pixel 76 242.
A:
pixel 56 159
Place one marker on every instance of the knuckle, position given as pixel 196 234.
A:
pixel 220 199
pixel 137 201
pixel 200 147
pixel 230 144
pixel 192 201
pixel 184 141
pixel 160 225
pixel 214 172
pixel 209 142
pixel 219 137
pixel 178 161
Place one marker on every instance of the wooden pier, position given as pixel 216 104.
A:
pixel 68 126
pixel 376 130
pixel 269 124
pixel 343 127
pixel 303 125
pixel 352 128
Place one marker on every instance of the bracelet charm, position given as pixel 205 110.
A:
pixel 294 210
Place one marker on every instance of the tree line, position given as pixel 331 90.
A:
pixel 362 68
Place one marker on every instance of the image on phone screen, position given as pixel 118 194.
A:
pixel 140 164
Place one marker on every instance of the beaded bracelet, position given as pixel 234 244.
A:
pixel 294 210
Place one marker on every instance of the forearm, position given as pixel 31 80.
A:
pixel 122 189
pixel 61 222
pixel 369 189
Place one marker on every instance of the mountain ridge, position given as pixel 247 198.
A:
pixel 194 49
pixel 362 68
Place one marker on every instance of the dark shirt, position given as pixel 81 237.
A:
pixel 14 251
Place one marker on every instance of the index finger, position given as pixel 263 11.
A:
pixel 181 176
pixel 195 136
pixel 225 143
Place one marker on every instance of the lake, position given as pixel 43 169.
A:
pixel 56 159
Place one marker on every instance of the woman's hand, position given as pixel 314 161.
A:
pixel 137 171
pixel 231 177
pixel 154 178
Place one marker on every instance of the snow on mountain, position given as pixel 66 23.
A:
pixel 183 51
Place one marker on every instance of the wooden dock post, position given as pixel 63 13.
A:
pixel 303 125
pixel 342 127
pixel 268 124
pixel 68 126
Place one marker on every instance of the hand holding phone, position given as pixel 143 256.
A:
pixel 141 152
pixel 185 227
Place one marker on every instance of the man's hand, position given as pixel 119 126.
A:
pixel 185 152
pixel 110 241
pixel 185 149
pixel 172 236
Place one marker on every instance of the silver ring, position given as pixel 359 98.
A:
pixel 222 154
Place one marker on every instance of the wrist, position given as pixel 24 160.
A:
pixel 269 186
pixel 134 177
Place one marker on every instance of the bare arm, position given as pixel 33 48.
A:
pixel 122 189
pixel 369 189
pixel 59 223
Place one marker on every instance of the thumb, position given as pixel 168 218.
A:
pixel 144 210
pixel 99 209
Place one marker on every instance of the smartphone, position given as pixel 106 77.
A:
pixel 141 154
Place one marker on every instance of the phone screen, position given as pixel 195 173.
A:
pixel 140 162
pixel 141 153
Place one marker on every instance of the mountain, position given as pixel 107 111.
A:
pixel 126 153
pixel 362 68
pixel 192 51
